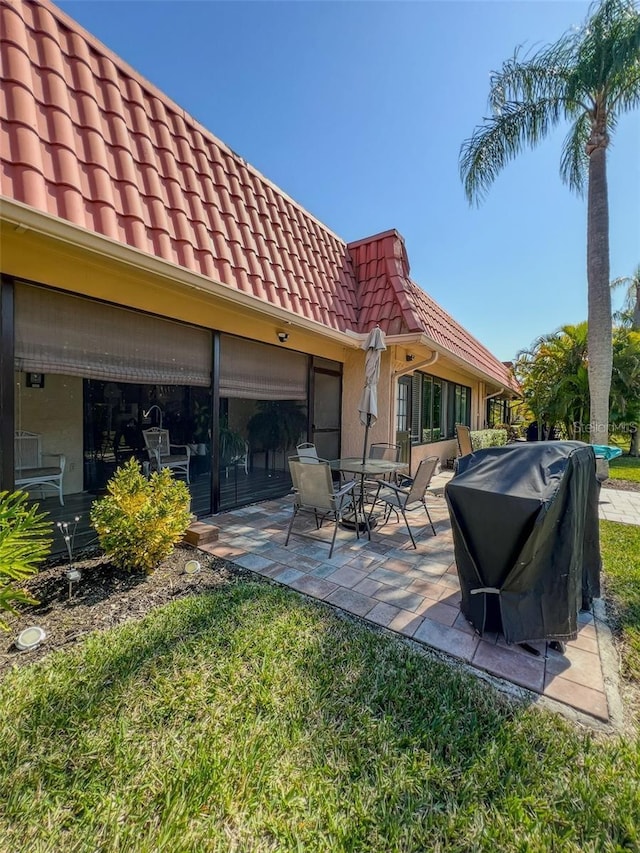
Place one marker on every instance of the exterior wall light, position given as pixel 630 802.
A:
pixel 283 337
pixel 409 356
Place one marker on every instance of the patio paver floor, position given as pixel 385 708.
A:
pixel 416 593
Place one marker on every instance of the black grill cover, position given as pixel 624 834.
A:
pixel 525 532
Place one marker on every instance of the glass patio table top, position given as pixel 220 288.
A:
pixel 370 467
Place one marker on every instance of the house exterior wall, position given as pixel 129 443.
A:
pixel 48 261
pixel 353 383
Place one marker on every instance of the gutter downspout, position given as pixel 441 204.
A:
pixel 411 367
pixel 496 394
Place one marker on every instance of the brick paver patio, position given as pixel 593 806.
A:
pixel 416 593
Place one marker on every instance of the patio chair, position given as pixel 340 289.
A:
pixel 389 453
pixel 160 452
pixel 463 434
pixel 383 450
pixel 307 452
pixel 405 499
pixel 29 470
pixel 315 494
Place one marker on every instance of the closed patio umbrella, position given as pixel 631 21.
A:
pixel 368 407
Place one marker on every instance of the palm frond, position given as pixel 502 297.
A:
pixel 530 77
pixel 627 96
pixel 501 139
pixel 592 72
pixel 574 161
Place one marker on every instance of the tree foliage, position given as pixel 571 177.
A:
pixel 554 380
pixel 629 315
pixel 587 79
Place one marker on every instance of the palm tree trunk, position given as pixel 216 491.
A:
pixel 599 335
pixel 635 317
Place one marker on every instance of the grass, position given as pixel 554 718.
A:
pixel 250 719
pixel 621 556
pixel 625 468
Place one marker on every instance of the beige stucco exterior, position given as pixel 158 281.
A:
pixel 42 258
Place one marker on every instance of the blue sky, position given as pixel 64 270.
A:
pixel 358 109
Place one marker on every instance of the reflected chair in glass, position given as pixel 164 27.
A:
pixel 405 499
pixel 315 494
pixel 161 452
pixel 30 473
pixel 241 459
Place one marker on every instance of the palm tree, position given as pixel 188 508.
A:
pixel 553 378
pixel 589 78
pixel 630 314
pixel 552 374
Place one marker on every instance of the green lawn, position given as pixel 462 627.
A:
pixel 249 719
pixel 625 468
pixel 621 555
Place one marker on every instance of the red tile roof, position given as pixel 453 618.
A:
pixel 388 296
pixel 86 139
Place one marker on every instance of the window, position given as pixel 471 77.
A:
pixel 437 405
pixel 497 412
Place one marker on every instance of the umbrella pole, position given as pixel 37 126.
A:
pixel 366 434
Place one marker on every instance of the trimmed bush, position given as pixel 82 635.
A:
pixel 482 438
pixel 24 543
pixel 139 521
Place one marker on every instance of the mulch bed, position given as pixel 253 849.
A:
pixel 622 485
pixel 104 597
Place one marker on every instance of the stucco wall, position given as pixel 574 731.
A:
pixel 55 412
pixel 353 383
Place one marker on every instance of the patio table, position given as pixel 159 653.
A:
pixel 368 468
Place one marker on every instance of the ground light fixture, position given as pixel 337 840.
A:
pixel 191 567
pixel 73 576
pixel 30 638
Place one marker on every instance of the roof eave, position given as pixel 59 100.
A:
pixel 424 340
pixel 23 217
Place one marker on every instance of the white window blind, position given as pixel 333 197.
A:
pixel 60 333
pixel 255 371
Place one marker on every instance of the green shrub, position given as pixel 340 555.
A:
pixel 140 520
pixel 24 543
pixel 482 438
pixel 513 431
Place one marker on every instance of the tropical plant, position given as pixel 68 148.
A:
pixel 625 385
pixel 590 77
pixel 554 381
pixel 629 315
pixel 231 443
pixel 277 425
pixel 24 543
pixel 201 421
pixel 139 521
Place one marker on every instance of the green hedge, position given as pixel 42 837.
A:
pixel 482 438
